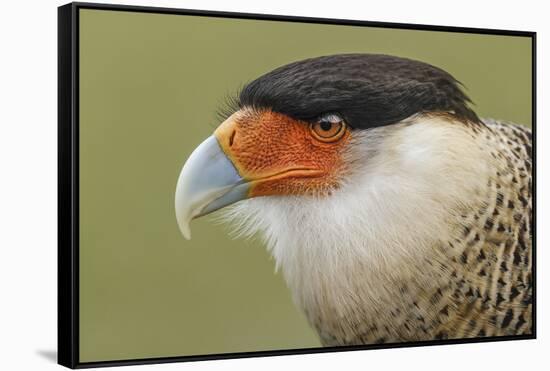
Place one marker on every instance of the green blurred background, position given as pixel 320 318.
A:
pixel 150 86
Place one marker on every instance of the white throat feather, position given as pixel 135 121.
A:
pixel 408 186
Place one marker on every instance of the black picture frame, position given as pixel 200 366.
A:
pixel 68 180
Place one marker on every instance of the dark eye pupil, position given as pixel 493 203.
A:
pixel 325 125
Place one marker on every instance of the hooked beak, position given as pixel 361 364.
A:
pixel 207 182
pixel 249 156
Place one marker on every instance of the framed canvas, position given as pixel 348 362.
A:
pixel 349 185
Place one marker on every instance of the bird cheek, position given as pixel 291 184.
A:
pixel 278 156
pixel 307 169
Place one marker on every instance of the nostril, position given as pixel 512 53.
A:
pixel 232 137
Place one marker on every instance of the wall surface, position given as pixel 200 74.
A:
pixel 28 194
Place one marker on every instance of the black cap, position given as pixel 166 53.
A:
pixel 367 90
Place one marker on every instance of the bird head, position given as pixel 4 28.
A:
pixel 306 129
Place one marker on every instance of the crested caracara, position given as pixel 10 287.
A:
pixel 394 212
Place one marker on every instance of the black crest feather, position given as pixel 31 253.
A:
pixel 368 90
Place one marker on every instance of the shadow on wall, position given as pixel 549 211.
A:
pixel 50 355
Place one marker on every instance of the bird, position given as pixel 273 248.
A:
pixel 394 212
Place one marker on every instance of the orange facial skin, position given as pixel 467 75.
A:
pixel 279 155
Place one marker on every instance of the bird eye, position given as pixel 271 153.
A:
pixel 328 128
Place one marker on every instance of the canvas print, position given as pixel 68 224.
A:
pixel 256 185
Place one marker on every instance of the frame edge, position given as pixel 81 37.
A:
pixel 67 256
pixel 301 19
